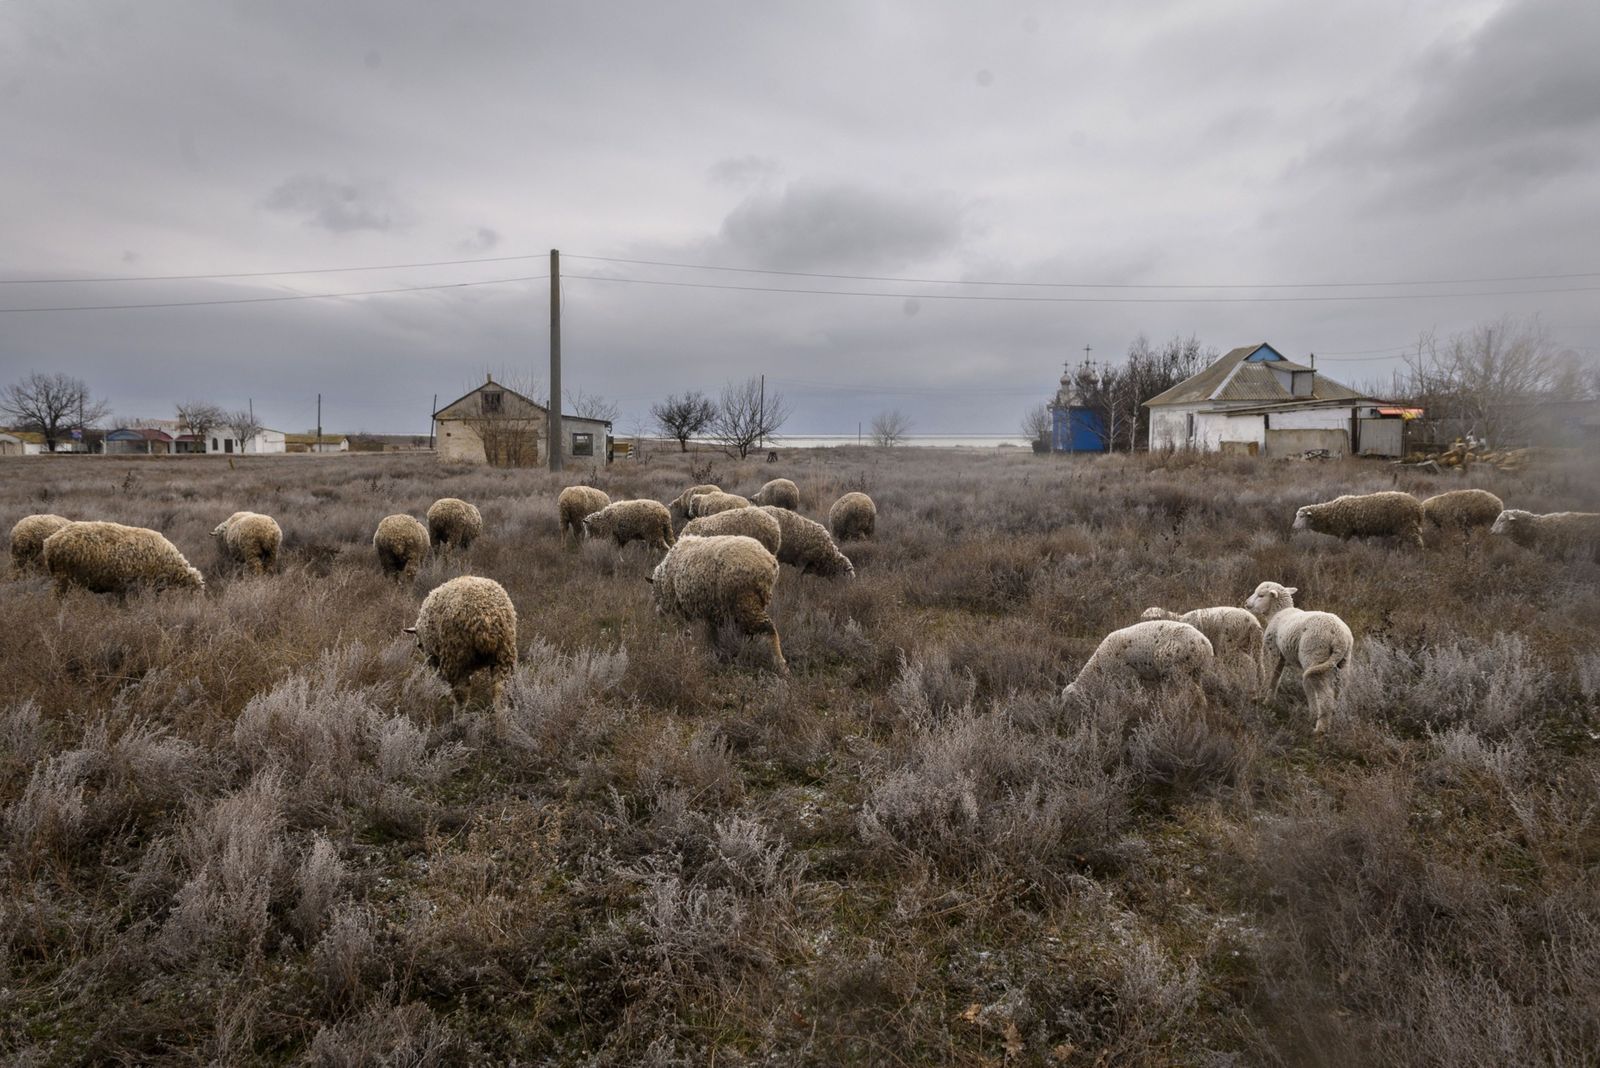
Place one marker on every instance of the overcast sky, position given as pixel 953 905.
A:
pixel 1116 143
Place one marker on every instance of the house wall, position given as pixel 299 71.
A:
pixel 457 441
pixel 266 441
pixel 1286 443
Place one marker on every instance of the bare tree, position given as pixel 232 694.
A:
pixel 890 428
pixel 511 429
pixel 1036 423
pixel 200 418
pixel 1104 390
pixel 746 415
pixel 592 406
pixel 242 425
pixel 52 405
pixel 682 417
pixel 1150 371
pixel 1488 379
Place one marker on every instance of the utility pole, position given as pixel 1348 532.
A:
pixel 317 447
pixel 555 360
pixel 761 413
pixel 432 408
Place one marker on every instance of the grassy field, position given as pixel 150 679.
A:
pixel 247 826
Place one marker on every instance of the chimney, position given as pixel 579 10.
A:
pixel 488 379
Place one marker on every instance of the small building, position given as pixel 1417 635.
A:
pixel 1256 400
pixel 493 424
pixel 13 443
pixel 315 443
pixel 139 441
pixel 1074 426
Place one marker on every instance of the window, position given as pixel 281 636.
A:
pixel 583 444
pixel 1191 426
pixel 491 402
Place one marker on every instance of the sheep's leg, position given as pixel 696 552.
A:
pixel 497 686
pixel 1317 697
pixel 750 612
pixel 1271 672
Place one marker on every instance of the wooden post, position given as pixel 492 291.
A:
pixel 555 361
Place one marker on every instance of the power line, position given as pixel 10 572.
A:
pixel 1103 285
pixel 270 300
pixel 1081 299
pixel 259 274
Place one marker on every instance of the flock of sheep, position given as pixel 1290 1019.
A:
pixel 720 567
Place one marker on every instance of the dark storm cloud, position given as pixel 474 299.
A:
pixel 842 226
pixel 338 207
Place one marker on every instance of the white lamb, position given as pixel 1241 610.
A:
pixel 1155 652
pixel 1234 633
pixel 1317 644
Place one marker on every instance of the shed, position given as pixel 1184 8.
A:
pixel 1255 394
pixel 497 425
pixel 147 441
pixel 314 443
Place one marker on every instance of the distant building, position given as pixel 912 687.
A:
pixel 17 443
pixel 139 441
pixel 315 443
pixel 1256 400
pixel 493 424
pixel 1074 427
pixel 265 440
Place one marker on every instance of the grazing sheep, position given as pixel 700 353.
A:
pixel 853 516
pixel 1234 633
pixel 1461 510
pixel 724 578
pixel 680 504
pixel 624 521
pixel 1389 514
pixel 807 545
pixel 251 539
pixel 402 544
pixel 751 522
pixel 1561 533
pixel 780 493
pixel 453 523
pixel 576 502
pixel 1317 644
pixel 27 538
pixel 1155 652
pixel 466 624
pixel 705 504
pixel 112 558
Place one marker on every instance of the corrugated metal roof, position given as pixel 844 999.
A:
pixel 1201 386
pixel 1233 378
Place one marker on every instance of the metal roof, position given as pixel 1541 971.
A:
pixel 1235 377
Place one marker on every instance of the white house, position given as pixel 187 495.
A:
pixel 1256 400
pixel 496 425
pixel 264 440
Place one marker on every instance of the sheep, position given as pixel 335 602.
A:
pixel 807 545
pixel 1234 633
pixel 1317 644
pixel 576 502
pixel 402 544
pixel 723 578
pixel 1365 515
pixel 1461 510
pixel 705 504
pixel 251 539
pixel 780 492
pixel 27 538
pixel 1562 533
pixel 466 624
pixel 112 558
pixel 1155 652
pixel 680 504
pixel 624 521
pixel 453 523
pixel 852 516
pixel 751 522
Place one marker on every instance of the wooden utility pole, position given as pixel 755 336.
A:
pixel 555 361
pixel 761 425
pixel 317 446
pixel 432 408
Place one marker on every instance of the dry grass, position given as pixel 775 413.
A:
pixel 247 825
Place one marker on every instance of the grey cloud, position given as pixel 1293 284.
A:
pixel 743 170
pixel 338 207
pixel 483 240
pixel 841 226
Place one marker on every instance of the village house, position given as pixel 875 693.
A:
pixel 493 424
pixel 316 443
pixel 1255 400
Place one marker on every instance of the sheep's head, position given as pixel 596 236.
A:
pixel 1506 522
pixel 195 580
pixel 1155 613
pixel 1270 597
pixel 1302 518
pixel 596 524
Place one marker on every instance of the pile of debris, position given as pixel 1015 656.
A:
pixel 1462 455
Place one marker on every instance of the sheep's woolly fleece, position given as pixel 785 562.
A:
pixel 1365 515
pixel 1234 633
pixel 1576 533
pixel 1316 644
pixel 466 624
pixel 681 503
pixel 725 578
pixel 251 539
pixel 453 523
pixel 402 545
pixel 639 520
pixel 1461 510
pixel 112 558
pixel 751 522
pixel 780 493
pixel 576 502
pixel 705 504
pixel 1154 652
pixel 807 545
pixel 853 516
pixel 27 538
